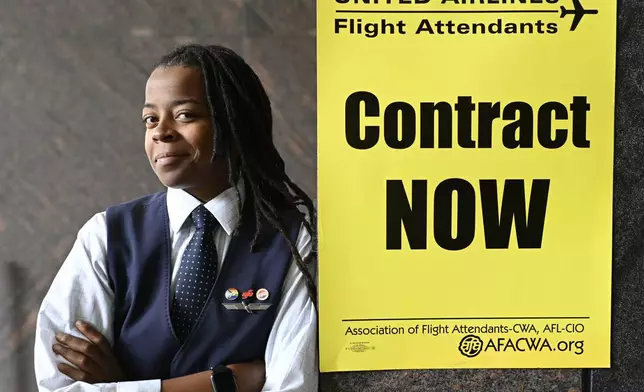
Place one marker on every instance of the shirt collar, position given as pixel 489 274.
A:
pixel 225 207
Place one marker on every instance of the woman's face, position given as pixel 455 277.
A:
pixel 179 130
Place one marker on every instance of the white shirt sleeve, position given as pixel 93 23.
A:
pixel 291 352
pixel 80 291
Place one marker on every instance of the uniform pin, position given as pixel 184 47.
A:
pixel 262 294
pixel 247 294
pixel 232 294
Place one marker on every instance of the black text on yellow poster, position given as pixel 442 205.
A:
pixel 465 183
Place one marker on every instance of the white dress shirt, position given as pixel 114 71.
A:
pixel 80 291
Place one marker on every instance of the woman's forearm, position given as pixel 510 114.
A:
pixel 250 377
pixel 198 382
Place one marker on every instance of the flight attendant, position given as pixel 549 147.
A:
pixel 207 285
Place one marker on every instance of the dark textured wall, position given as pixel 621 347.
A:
pixel 71 87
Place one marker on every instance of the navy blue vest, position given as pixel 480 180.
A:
pixel 139 269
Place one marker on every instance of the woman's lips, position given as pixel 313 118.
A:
pixel 168 158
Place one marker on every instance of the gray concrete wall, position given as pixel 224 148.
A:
pixel 72 77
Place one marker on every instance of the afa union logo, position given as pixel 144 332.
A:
pixel 470 346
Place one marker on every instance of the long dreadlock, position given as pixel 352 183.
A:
pixel 242 119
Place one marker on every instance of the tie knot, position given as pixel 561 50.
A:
pixel 202 218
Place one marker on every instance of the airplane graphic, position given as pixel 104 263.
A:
pixel 578 13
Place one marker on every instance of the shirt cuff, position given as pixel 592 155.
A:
pixel 139 386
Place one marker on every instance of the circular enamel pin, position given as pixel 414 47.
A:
pixel 262 294
pixel 232 294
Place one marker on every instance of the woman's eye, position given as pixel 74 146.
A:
pixel 185 116
pixel 148 120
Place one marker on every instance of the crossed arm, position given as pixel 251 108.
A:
pixel 91 361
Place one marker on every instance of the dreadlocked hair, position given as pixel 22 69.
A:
pixel 242 120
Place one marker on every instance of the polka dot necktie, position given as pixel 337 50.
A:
pixel 197 273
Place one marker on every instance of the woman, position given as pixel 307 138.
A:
pixel 204 284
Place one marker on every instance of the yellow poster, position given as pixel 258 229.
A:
pixel 465 183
